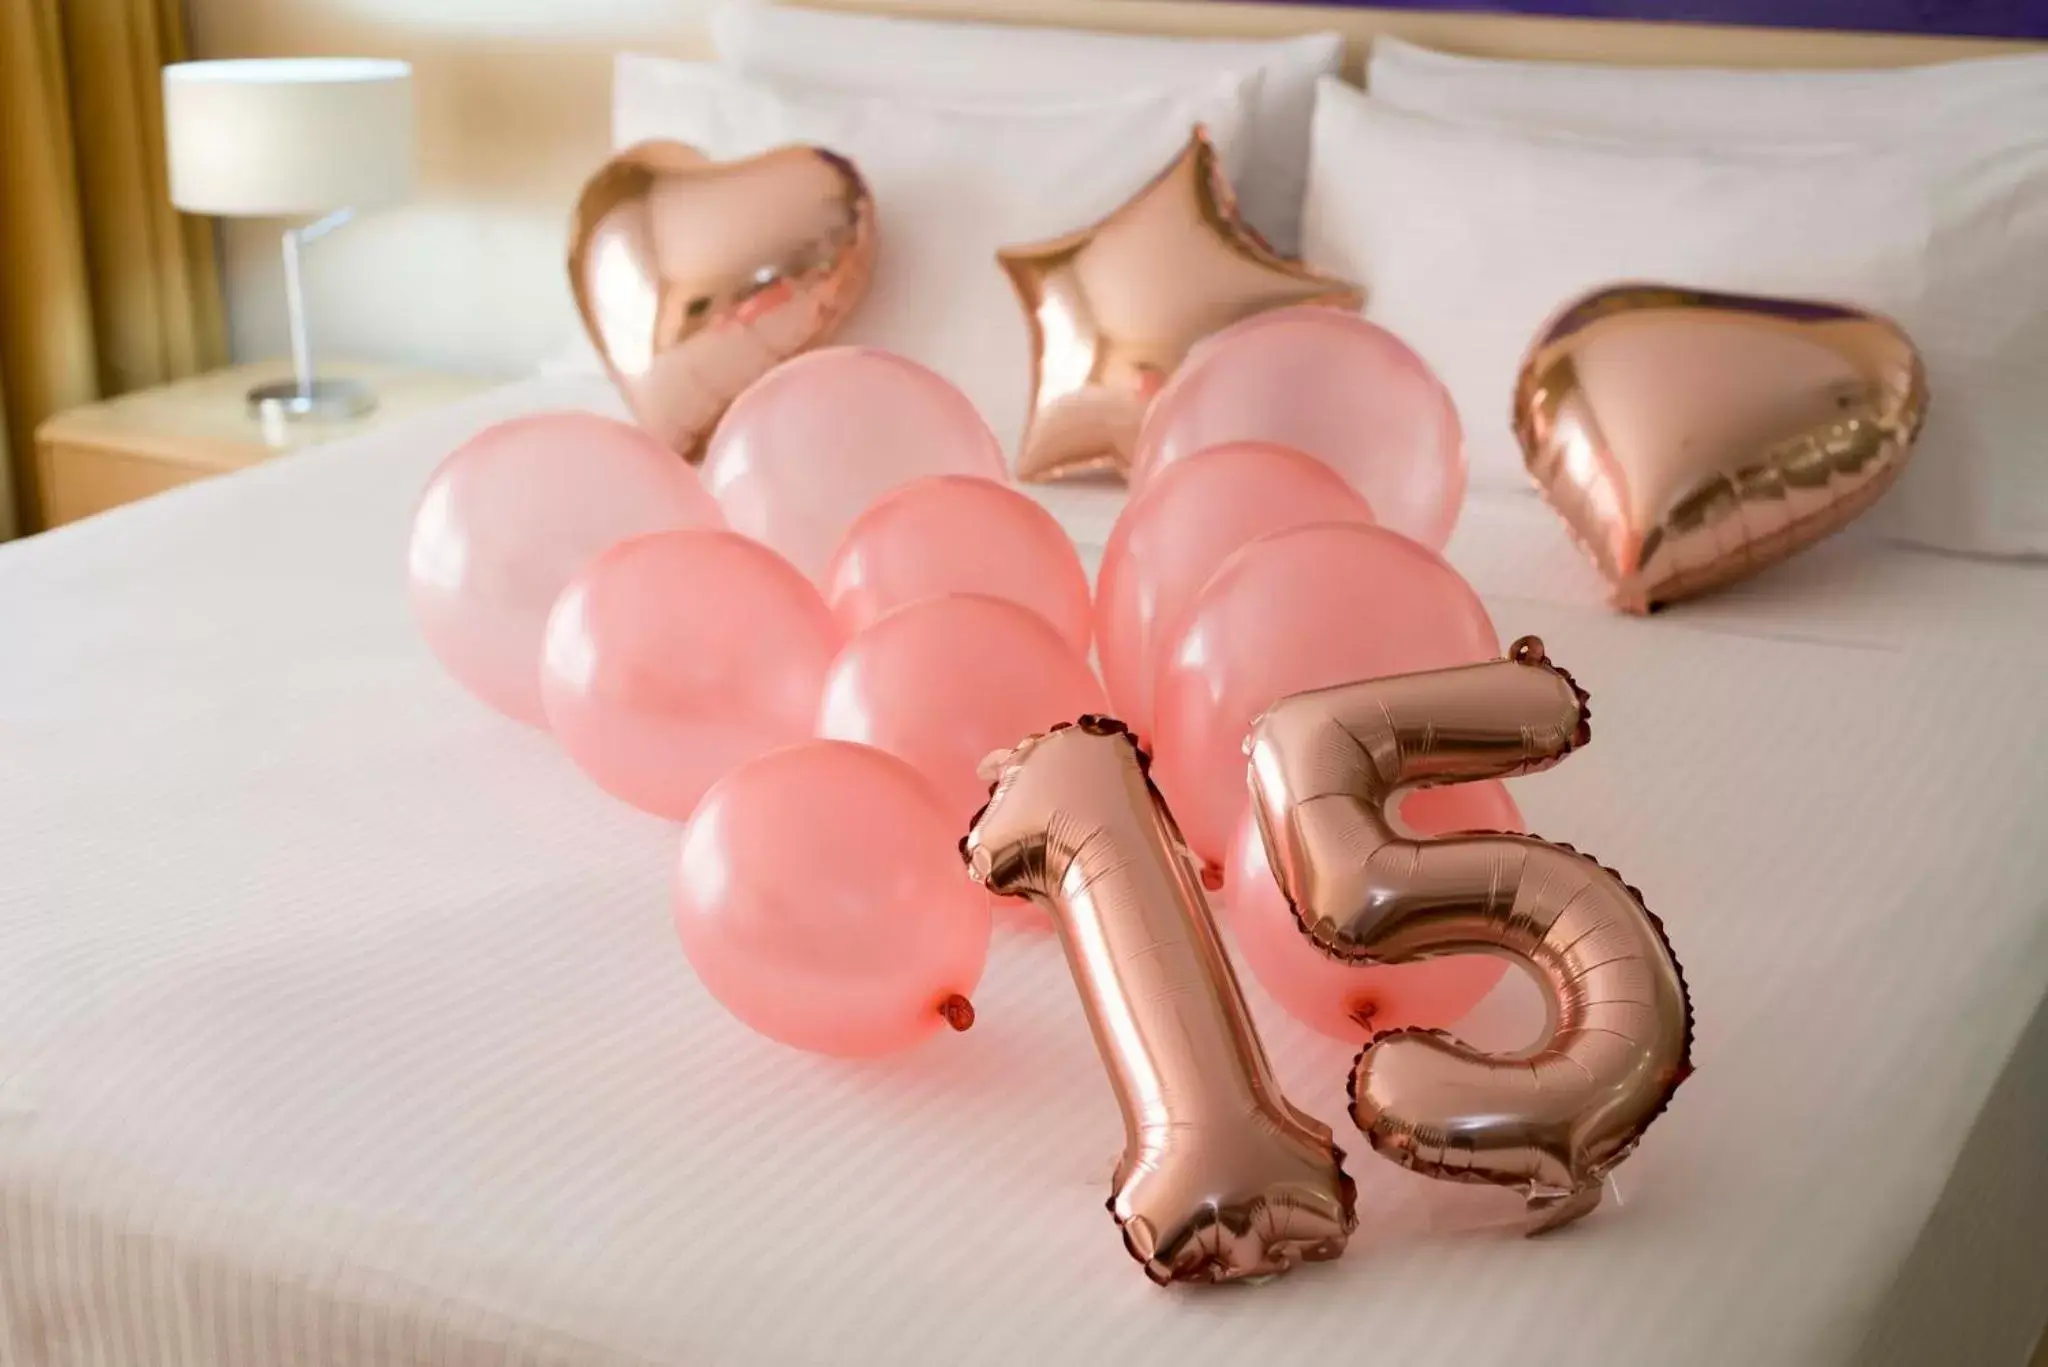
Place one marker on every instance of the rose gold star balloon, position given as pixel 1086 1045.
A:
pixel 1689 439
pixel 1114 307
pixel 695 277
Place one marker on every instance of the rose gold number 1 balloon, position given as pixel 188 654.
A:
pixel 1221 1178
pixel 1549 1122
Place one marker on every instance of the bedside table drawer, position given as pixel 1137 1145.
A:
pixel 100 455
pixel 78 481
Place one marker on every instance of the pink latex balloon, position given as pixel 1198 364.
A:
pixel 1178 530
pixel 1347 1001
pixel 510 516
pixel 959 534
pixel 676 656
pixel 1329 383
pixel 820 899
pixel 806 448
pixel 1292 611
pixel 944 682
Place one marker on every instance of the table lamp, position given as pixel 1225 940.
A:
pixel 298 137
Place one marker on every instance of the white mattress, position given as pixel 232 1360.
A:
pixel 342 1022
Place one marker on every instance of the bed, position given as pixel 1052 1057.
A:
pixel 341 1021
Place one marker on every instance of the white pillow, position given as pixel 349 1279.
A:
pixel 878 55
pixel 1707 106
pixel 1467 238
pixel 952 183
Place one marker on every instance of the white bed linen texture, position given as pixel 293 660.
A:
pixel 901 57
pixel 343 1022
pixel 1705 107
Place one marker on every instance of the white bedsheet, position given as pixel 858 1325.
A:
pixel 342 1022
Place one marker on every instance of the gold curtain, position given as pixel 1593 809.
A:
pixel 104 286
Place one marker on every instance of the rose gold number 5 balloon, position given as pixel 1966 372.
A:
pixel 1221 1178
pixel 1549 1122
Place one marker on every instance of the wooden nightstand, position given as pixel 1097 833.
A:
pixel 105 454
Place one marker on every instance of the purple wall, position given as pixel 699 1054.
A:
pixel 1984 18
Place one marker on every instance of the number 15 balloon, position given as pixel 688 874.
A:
pixel 1551 1121
pixel 1221 1178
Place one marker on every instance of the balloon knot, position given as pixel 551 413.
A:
pixel 957 1011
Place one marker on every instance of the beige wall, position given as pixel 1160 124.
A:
pixel 513 111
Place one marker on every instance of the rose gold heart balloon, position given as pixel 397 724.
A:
pixel 1690 438
pixel 696 277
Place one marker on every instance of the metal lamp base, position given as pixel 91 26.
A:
pixel 317 401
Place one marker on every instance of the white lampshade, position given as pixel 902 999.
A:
pixel 288 136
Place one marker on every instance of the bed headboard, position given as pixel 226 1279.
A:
pixel 514 106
